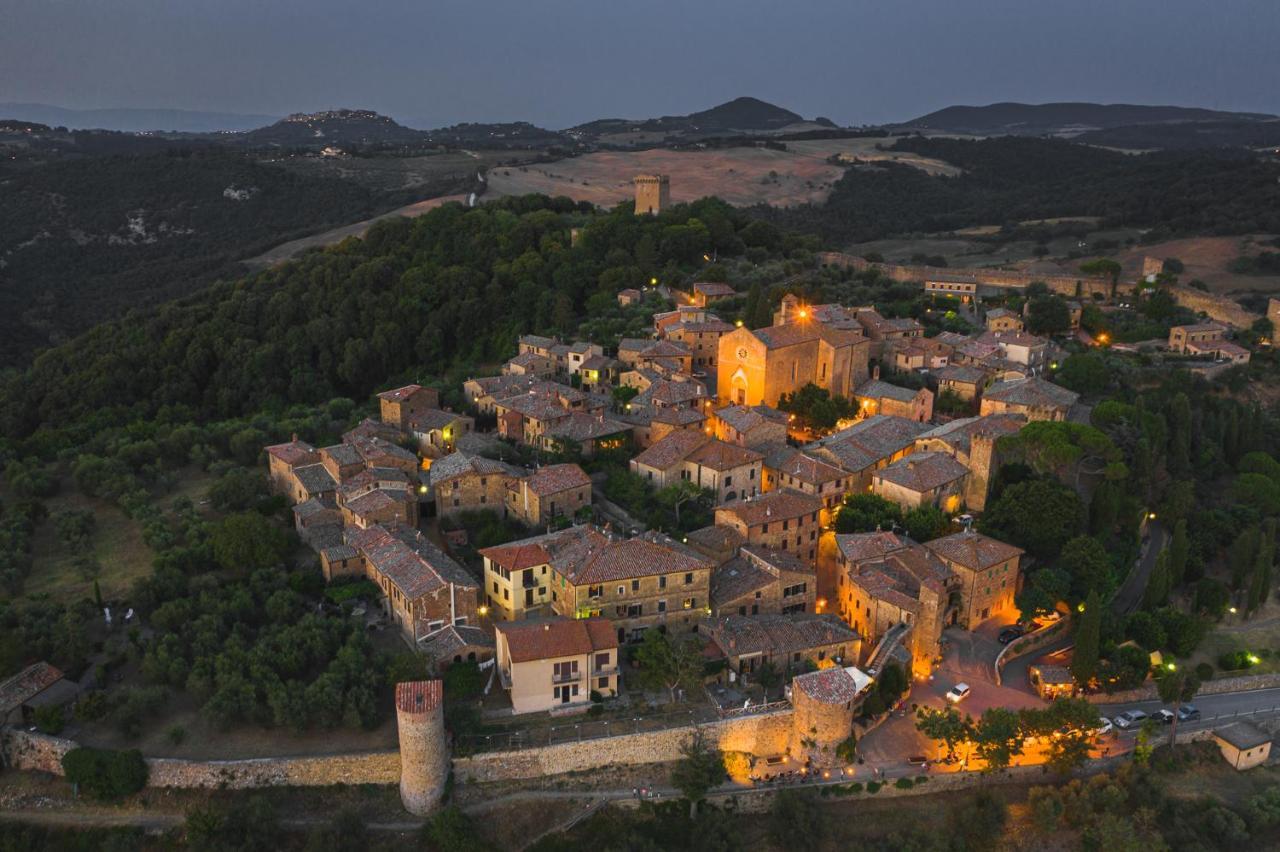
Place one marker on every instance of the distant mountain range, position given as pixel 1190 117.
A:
pixel 1015 119
pixel 134 120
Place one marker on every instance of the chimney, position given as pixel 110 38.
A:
pixel 875 372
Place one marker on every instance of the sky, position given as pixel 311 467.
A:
pixel 561 62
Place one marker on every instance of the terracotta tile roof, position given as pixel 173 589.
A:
pixel 1031 392
pixel 529 360
pixel 719 456
pixel 580 426
pixel 737 635
pixel 997 313
pixel 420 696
pixel 453 639
pixel 408 560
pixel 958 434
pixel 775 560
pixel 598 362
pixel 623 559
pixel 25 685
pixel 791 461
pixel 293 453
pixel 877 389
pixel 553 638
pixel 923 472
pixel 311 508
pixel 372 449
pixel 554 478
pixel 668 392
pixel 539 550
pixel 460 464
pixel 695 326
pixel 859 547
pixel 738 578
pixel 368 428
pixel 962 375
pixel 709 288
pixel 315 479
pixel 373 501
pixel 499 386
pixel 829 686
pixel 1010 338
pixel 400 394
pixel 538 341
pixel 714 539
pixel 676 416
pixel 772 506
pixel 868 441
pixel 795 333
pixel 744 419
pixel 433 418
pixel 535 406
pixel 650 349
pixel 1200 327
pixel 973 550
pixel 342 454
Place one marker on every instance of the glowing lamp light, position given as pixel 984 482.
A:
pixel 653 280
pixel 1171 667
pixel 1254 659
pixel 483 610
pixel 803 313
pixel 1232 610
pixel 738 323
pixel 1079 607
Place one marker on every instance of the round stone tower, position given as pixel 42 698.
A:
pixel 823 717
pixel 424 750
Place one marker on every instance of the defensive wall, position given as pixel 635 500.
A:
pixel 1218 308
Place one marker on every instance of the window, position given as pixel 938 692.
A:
pixel 742 610
pixel 592 591
pixel 602 661
pixel 603 683
pixel 506 594
pixel 797 589
pixel 460 620
pixel 622 590
pixel 784 525
pixel 433 626
pixel 688 579
pixel 690 603
pixel 662 606
pixel 728 481
pixel 635 585
pixel 635 610
pixel 662 581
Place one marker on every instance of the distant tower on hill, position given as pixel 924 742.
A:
pixel 424 750
pixel 1273 314
pixel 653 194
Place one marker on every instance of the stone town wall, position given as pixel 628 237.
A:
pixel 1217 686
pixel 25 750
pixel 766 733
pixel 1219 308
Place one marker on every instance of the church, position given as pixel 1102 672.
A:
pixel 756 367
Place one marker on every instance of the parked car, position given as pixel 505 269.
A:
pixel 1164 717
pixel 1188 713
pixel 1104 726
pixel 958 693
pixel 1013 631
pixel 1129 718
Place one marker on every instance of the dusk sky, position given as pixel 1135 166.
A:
pixel 560 62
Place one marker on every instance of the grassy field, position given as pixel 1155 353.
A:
pixel 1259 635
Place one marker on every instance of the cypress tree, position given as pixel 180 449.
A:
pixel 1179 548
pixel 1158 584
pixel 1084 665
pixel 1244 553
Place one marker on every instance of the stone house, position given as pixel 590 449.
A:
pixel 400 405
pixel 597 374
pixel 578 353
pixel 313 482
pixel 283 460
pixel 696 330
pixel 706 292
pixel 379 495
pixel 436 431
pixel 922 479
pixel 732 472
pixel 1018 347
pixel 878 397
pixel 551 491
pixel 966 382
pixel 1243 745
pixel 665 354
pixel 918 353
pixel 344 460
pixel 629 296
pixel 972 442
pixel 880 581
pixel 590 433
pixel 719 544
pixel 786 466
pixel 484 393
pixel 551 663
pixel 1033 398
pixel 462 482
pixel 672 394
pixel 781 520
pixel 456 643
pixel 529 364
pixel 988 574
pixel 786 642
pixel 584 572
pixel 377 452
pixel 424 589
pixel 759 581
pixel 1003 319
pixel 39 685
pixel 752 426
pixel 1201 333
pixel 867 446
pixel 537 345
pixel 965 291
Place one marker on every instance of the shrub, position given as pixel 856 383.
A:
pixel 106 774
pixel 920 779
pixel 874 787
pixel 1204 671
pixel 50 720
pixel 1235 661
pixel 903 784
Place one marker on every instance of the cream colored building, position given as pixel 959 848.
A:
pixel 551 663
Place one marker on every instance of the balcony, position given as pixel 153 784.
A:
pixel 607 671
pixel 566 677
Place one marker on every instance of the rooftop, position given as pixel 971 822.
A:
pixel 1031 392
pixel 832 686
pixel 552 638
pixel 25 685
pixel 554 478
pixel 293 453
pixel 737 635
pixel 923 472
pixel 407 559
pixel 743 418
pixel 400 394
pixel 877 389
pixel 580 426
pixel 868 441
pixel 1242 735
pixel 973 550
pixel 772 506
pixel 419 696
pixel 459 464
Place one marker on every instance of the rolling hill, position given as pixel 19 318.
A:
pixel 740 115
pixel 336 127
pixel 1018 119
pixel 133 120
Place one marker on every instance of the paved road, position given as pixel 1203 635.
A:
pixel 1129 596
pixel 1223 705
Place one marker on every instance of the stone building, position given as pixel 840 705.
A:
pixel 731 471
pixel 917 353
pixel 879 397
pixel 629 296
pixel 462 482
pixel 584 572
pixel 759 581
pixel 550 492
pixel 922 479
pixel 283 460
pixel 867 446
pixel 1243 745
pixel 972 442
pixel 400 405
pixel 749 426
pixel 785 642
pixel 788 467
pixel 379 495
pixel 424 589
pixel 437 431
pixel 880 581
pixel 529 364
pixel 653 193
pixel 987 570
pixel 825 703
pixel 759 366
pixel 424 748
pixel 697 331
pixel 552 663
pixel 587 433
pixel 667 355
pixel 706 292
pixel 966 382
pixel 1033 398
pixel 1003 319
pixel 781 520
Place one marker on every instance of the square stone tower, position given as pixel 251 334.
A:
pixel 1273 314
pixel 653 194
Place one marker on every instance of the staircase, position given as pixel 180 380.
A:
pixel 888 642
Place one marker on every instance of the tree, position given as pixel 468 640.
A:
pixel 682 491
pixel 1048 315
pixel 867 513
pixel 1084 664
pixel 1039 515
pixel 1085 560
pixel 1158 584
pixel 669 663
pixel 1179 549
pixel 925 523
pixel 247 541
pixel 700 769
pixel 451 830
pixel 105 774
pixel 998 736
pixel 244 825
pixel 1176 687
pixel 945 726
pixel 1069 723
pixel 1084 372
pixel 796 819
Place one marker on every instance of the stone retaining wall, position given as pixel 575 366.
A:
pixel 766 733
pixel 1147 692
pixel 26 750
